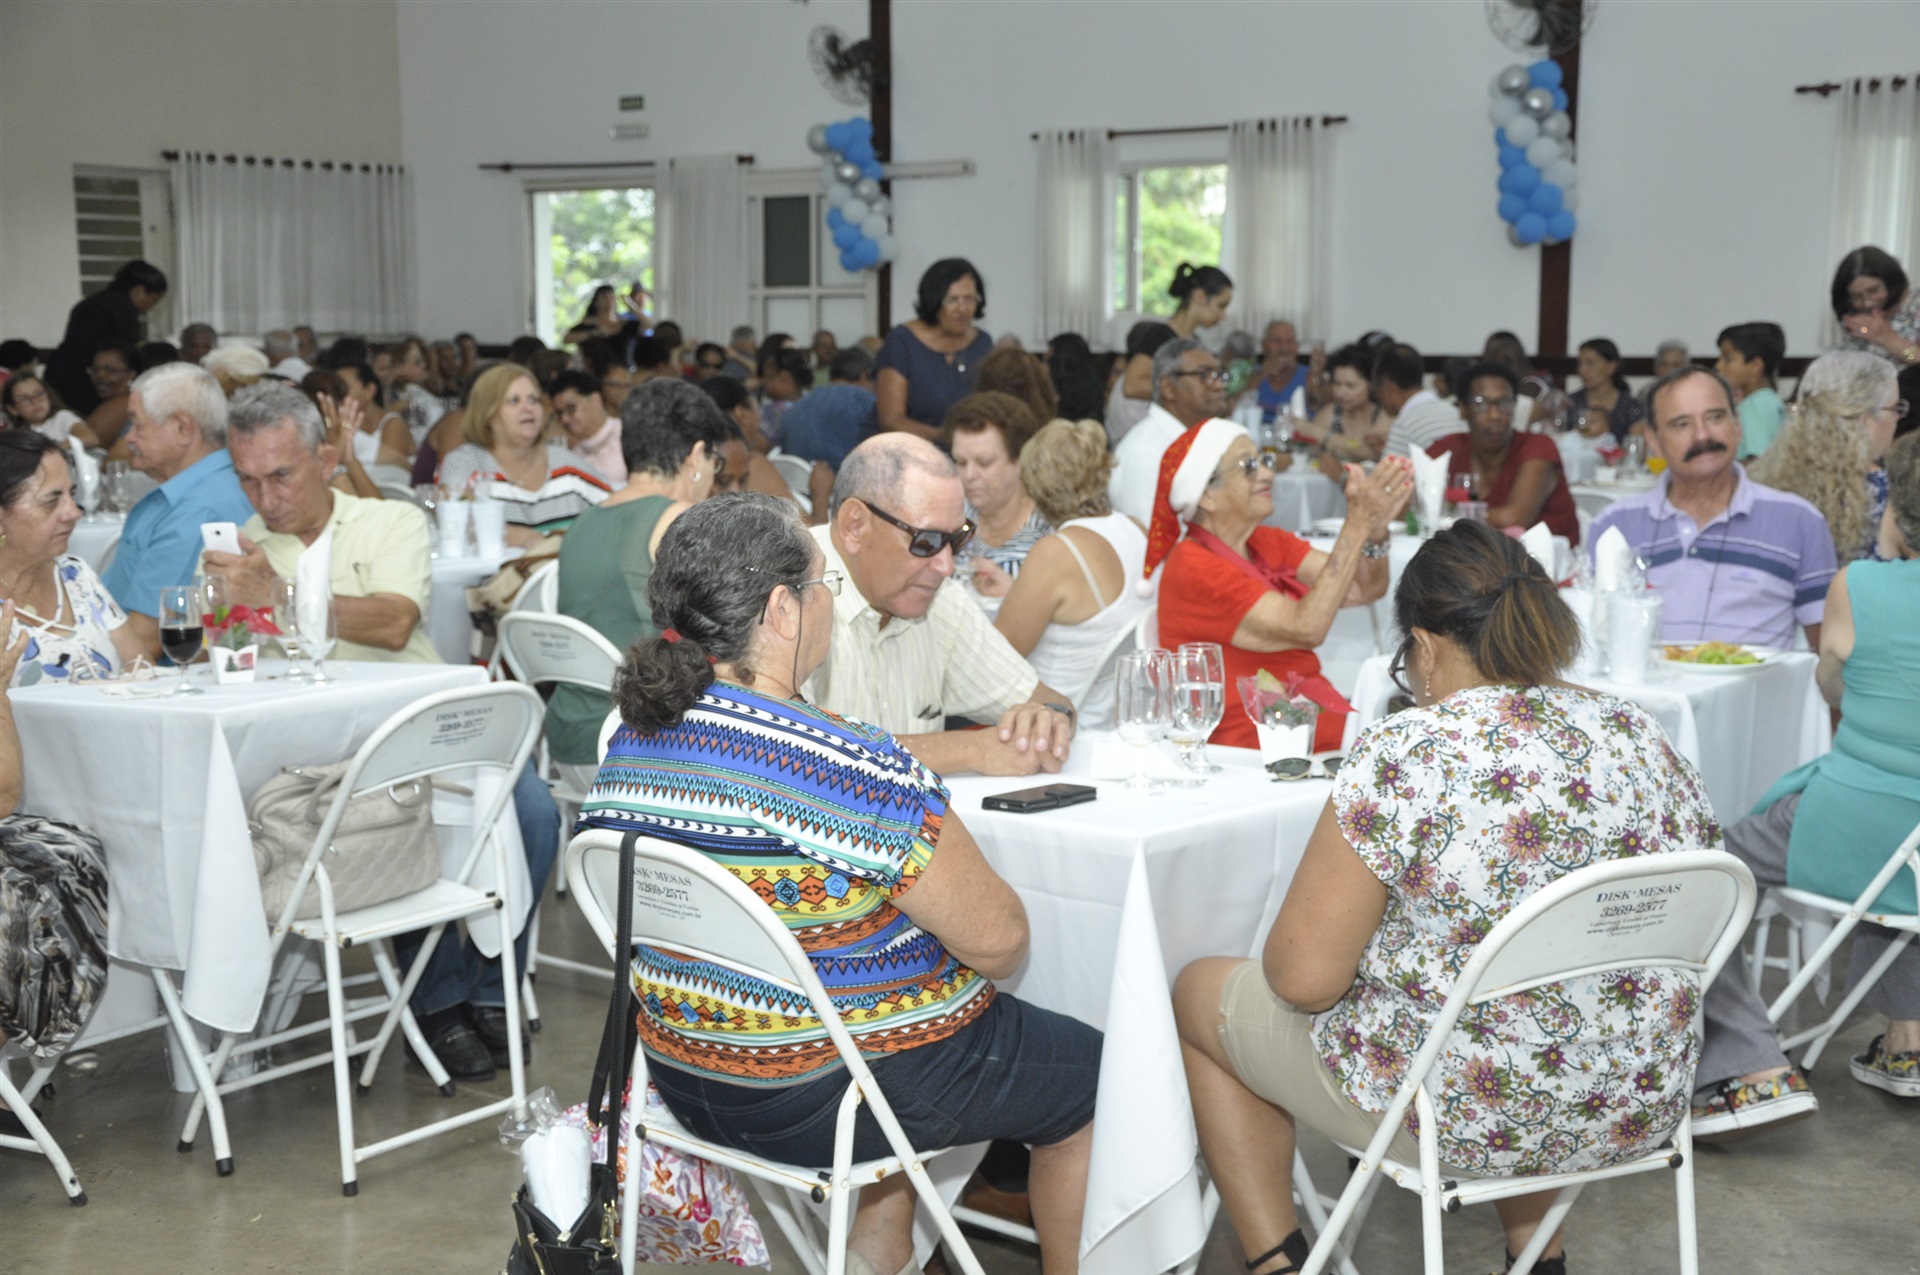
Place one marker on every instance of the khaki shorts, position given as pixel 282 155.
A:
pixel 1270 1044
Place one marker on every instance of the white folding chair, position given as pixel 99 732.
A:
pixel 1146 630
pixel 473 728
pixel 38 1140
pixel 1848 914
pixel 541 592
pixel 798 471
pixel 1701 903
pixel 394 491
pixel 708 914
pixel 550 650
pixel 1125 640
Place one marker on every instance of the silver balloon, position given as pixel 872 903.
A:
pixel 882 205
pixel 1521 130
pixel 868 189
pixel 817 139
pixel 1514 80
pixel 1513 236
pixel 1561 173
pixel 1503 110
pixel 1558 125
pixel 855 210
pixel 1542 151
pixel 848 173
pixel 889 248
pixel 874 226
pixel 1538 103
pixel 838 194
pixel 1566 148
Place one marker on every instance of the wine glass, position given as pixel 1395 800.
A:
pixel 182 630
pixel 116 477
pixel 317 620
pixel 1199 702
pixel 1143 707
pixel 280 599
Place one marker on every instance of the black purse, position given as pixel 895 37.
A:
pixel 590 1246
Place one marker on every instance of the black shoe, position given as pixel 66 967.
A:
pixel 490 1023
pixel 459 1049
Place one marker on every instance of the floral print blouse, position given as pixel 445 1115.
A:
pixel 80 632
pixel 1463 809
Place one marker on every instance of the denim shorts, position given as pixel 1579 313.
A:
pixel 1015 1072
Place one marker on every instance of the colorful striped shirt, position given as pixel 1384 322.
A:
pixel 1747 576
pixel 572 486
pixel 827 820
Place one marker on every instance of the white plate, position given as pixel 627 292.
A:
pixel 1761 655
pixel 1331 526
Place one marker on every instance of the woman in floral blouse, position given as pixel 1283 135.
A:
pixel 1445 817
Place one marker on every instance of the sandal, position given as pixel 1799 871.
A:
pixel 1294 1248
pixel 1544 1265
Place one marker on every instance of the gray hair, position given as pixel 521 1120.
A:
pixel 1238 345
pixel 742 333
pixel 189 388
pixel 877 469
pixel 270 404
pixel 1651 397
pixel 1166 360
pixel 1903 487
pixel 278 344
pixel 1672 345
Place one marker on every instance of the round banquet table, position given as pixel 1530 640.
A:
pixel 93 536
pixel 1302 496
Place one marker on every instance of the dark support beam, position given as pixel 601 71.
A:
pixel 1556 260
pixel 880 31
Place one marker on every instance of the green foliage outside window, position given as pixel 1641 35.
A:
pixel 1182 211
pixel 599 236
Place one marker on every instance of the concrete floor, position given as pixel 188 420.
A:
pixel 1835 1193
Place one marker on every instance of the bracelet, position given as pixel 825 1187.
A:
pixel 1073 718
pixel 1375 549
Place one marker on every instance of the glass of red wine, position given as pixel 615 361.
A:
pixel 182 630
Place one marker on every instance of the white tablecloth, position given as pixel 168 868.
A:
pixel 1593 497
pixel 1743 730
pixel 165 782
pixel 1302 495
pixel 1578 459
pixel 1121 894
pixel 449 623
pixel 91 536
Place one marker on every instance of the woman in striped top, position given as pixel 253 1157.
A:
pixel 851 842
pixel 986 433
pixel 543 485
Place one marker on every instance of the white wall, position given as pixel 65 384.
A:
pixel 92 82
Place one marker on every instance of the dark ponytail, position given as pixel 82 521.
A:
pixel 1211 280
pixel 1482 589
pixel 716 567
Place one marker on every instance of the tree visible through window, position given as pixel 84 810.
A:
pixel 598 236
pixel 1162 217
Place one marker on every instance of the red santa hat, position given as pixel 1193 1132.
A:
pixel 1186 468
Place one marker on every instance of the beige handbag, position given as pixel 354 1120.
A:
pixel 383 848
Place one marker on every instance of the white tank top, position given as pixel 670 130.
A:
pixel 1067 656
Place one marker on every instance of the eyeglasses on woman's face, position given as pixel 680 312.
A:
pixel 829 580
pixel 926 542
pixel 1251 465
pixel 1500 406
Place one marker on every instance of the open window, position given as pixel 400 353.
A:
pixel 1164 214
pixel 584 237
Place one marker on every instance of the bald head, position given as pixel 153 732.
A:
pixel 881 469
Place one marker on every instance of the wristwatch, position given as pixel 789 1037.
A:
pixel 1375 549
pixel 1073 718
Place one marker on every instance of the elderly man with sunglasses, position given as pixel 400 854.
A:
pixel 910 648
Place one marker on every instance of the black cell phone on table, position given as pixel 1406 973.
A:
pixel 1032 800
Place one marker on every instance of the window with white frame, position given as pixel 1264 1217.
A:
pixel 796 284
pixel 583 238
pixel 1164 214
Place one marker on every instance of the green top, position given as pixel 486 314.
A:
pixel 1761 415
pixel 605 564
pixel 1861 800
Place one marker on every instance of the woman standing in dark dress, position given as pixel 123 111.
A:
pixel 929 363
pixel 110 316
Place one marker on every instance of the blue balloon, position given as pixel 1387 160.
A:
pixel 835 218
pixel 1545 74
pixel 1560 99
pixel 873 170
pixel 1545 199
pixel 862 128
pixel 859 153
pixel 1522 179
pixel 865 253
pixel 1531 228
pixel 1512 208
pixel 1512 155
pixel 845 235
pixel 846 261
pixel 1561 225
pixel 838 137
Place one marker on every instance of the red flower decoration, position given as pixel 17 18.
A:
pixel 1458 495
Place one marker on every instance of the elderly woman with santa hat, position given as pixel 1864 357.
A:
pixel 1265 595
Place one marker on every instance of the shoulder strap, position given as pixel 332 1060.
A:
pixel 618 1038
pixel 1085 570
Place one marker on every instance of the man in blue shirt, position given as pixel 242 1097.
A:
pixel 830 422
pixel 1281 370
pixel 177 435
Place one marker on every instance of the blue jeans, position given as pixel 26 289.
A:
pixel 456 973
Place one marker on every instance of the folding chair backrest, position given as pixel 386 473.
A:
pixel 1126 639
pixel 1685 910
pixel 607 729
pixel 684 901
pixel 543 648
pixel 495 724
pixel 1146 631
pixel 541 591
pixel 797 470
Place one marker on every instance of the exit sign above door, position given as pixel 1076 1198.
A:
pixel 637 102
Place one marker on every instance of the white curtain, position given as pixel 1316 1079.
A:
pixel 705 210
pixel 1075 221
pixel 1279 191
pixel 1876 190
pixel 271 243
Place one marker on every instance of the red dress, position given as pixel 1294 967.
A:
pixel 1559 513
pixel 1203 598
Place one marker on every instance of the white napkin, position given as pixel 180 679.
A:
pixel 557 1160
pixel 1113 758
pixel 86 471
pixel 1429 485
pixel 1538 541
pixel 313 584
pixel 1612 561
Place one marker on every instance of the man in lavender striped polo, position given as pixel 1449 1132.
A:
pixel 1733 561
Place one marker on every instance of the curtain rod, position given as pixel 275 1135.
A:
pixel 328 165
pixel 1326 121
pixel 600 163
pixel 1832 86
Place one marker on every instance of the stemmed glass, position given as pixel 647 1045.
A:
pixel 1143 707
pixel 280 598
pixel 1199 702
pixel 318 624
pixel 116 477
pixel 182 630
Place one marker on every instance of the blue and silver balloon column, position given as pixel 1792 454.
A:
pixel 859 217
pixel 1535 137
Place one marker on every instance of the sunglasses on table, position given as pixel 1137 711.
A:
pixel 925 542
pixel 1289 769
